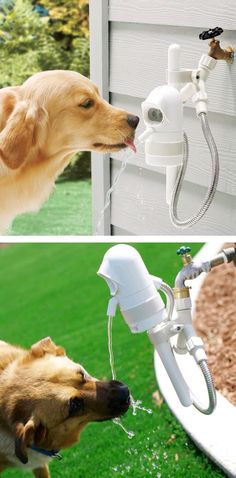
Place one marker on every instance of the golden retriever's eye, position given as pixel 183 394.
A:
pixel 87 104
pixel 76 405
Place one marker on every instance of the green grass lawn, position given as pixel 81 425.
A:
pixel 67 212
pixel 53 289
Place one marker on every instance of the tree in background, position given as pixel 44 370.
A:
pixel 30 42
pixel 70 17
pixel 69 25
pixel 26 44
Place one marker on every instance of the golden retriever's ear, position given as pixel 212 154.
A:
pixel 41 127
pixel 46 346
pixel 26 435
pixel 8 100
pixel 25 128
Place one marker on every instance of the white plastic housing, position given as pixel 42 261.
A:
pixel 141 305
pixel 164 145
pixel 174 52
pixel 128 278
pixel 168 359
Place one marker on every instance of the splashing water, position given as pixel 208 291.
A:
pixel 110 348
pixel 117 420
pixel 111 189
pixel 130 434
pixel 135 404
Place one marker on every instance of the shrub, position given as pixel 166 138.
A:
pixel 69 25
pixel 26 44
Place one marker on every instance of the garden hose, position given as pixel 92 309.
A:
pixel 184 224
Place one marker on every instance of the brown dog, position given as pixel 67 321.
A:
pixel 42 124
pixel 46 399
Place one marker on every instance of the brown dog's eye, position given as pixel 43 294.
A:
pixel 87 104
pixel 76 405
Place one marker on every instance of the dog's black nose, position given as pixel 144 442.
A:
pixel 120 389
pixel 133 121
pixel 123 394
pixel 120 396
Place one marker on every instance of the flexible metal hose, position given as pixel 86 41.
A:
pixel 184 224
pixel 171 302
pixel 210 388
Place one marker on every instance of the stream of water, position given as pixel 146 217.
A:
pixel 126 156
pixel 135 404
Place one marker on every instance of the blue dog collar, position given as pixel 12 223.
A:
pixel 50 453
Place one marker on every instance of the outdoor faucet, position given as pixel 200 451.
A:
pixel 136 292
pixel 216 51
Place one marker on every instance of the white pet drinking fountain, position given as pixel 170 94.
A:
pixel 180 359
pixel 166 144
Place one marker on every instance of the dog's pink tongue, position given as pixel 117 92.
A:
pixel 129 142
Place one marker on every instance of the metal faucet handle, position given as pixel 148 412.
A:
pixel 211 33
pixel 183 250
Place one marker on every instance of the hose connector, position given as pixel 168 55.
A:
pixel 182 298
pixel 225 256
pixel 181 293
pixel 195 347
pixel 230 254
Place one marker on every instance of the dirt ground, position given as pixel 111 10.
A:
pixel 215 321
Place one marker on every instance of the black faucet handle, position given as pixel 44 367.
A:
pixel 211 33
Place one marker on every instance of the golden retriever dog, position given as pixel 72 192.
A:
pixel 43 123
pixel 46 399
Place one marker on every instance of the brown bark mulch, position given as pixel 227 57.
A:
pixel 215 322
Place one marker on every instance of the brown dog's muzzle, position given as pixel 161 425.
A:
pixel 116 398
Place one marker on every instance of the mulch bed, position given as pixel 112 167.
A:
pixel 215 321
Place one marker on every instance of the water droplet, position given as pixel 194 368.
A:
pixel 136 404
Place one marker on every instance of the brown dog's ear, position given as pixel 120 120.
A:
pixel 25 128
pixel 44 346
pixel 25 435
